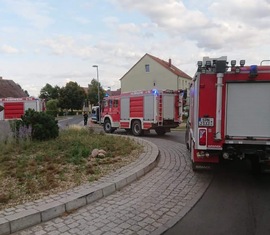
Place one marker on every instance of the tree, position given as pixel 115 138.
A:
pixel 93 92
pixel 48 92
pixel 52 107
pixel 26 92
pixel 71 96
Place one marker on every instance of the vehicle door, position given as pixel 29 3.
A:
pixel 114 109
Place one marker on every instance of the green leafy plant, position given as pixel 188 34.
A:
pixel 43 126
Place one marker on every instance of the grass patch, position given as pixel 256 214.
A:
pixel 30 170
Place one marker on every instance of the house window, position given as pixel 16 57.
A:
pixel 147 68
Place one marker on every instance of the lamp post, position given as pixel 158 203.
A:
pixel 99 117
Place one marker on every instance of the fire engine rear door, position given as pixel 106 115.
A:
pixel 168 106
pixel 248 109
pixel 149 101
pixel 125 108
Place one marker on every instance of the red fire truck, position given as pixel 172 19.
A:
pixel 229 113
pixel 14 108
pixel 141 111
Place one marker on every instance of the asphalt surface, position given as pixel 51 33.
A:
pixel 149 205
pixel 236 203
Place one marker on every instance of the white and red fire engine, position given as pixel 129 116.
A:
pixel 141 111
pixel 229 114
pixel 14 108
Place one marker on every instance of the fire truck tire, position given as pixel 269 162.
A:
pixel 160 131
pixel 108 126
pixel 137 128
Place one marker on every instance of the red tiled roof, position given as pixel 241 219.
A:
pixel 168 65
pixel 165 64
pixel 113 93
pixel 9 88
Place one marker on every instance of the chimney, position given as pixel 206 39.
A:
pixel 170 63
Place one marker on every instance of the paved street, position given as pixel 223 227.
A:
pixel 149 205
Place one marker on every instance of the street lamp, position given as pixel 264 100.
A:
pixel 99 117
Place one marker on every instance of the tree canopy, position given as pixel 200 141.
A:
pixel 72 96
pixel 93 92
pixel 48 92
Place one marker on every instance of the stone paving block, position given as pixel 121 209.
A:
pixel 132 177
pixel 149 167
pixel 51 210
pixel 75 203
pixel 140 172
pixel 108 188
pixel 68 198
pixel 4 227
pixel 23 220
pixel 87 190
pixel 120 182
pixel 94 196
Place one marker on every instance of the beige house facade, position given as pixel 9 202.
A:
pixel 151 72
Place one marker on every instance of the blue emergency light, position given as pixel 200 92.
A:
pixel 253 71
pixel 155 92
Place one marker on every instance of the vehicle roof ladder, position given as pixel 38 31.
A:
pixel 160 111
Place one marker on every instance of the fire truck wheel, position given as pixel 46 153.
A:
pixel 160 131
pixel 108 126
pixel 136 128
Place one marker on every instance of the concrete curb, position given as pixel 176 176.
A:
pixel 83 196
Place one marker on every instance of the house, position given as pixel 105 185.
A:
pixel 9 88
pixel 112 93
pixel 152 72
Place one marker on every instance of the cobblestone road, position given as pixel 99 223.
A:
pixel 148 206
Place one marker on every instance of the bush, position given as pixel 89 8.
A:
pixel 43 126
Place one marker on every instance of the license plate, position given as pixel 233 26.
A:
pixel 206 121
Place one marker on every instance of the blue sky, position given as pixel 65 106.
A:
pixel 57 41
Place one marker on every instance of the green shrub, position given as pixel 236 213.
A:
pixel 43 126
